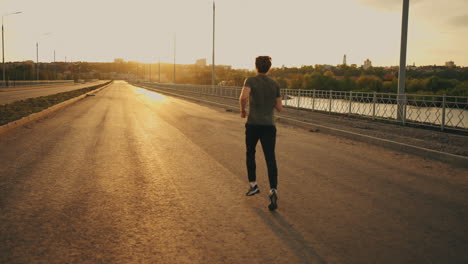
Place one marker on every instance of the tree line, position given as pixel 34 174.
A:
pixel 432 80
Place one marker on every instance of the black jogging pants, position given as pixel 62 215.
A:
pixel 267 137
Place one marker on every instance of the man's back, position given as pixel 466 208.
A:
pixel 262 100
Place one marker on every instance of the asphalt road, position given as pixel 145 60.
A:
pixel 131 176
pixel 9 95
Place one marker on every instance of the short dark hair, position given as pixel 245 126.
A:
pixel 263 63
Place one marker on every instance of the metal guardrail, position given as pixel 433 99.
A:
pixel 444 112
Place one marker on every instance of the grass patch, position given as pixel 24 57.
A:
pixel 19 109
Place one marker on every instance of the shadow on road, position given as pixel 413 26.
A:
pixel 290 236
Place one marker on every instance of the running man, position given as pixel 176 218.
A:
pixel 263 95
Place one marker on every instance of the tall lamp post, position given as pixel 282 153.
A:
pixel 55 68
pixel 37 61
pixel 401 113
pixel 37 55
pixel 3 46
pixel 213 52
pixel 174 58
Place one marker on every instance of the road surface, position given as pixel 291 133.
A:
pixel 10 95
pixel 132 176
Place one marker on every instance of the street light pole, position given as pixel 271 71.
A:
pixel 37 61
pixel 401 113
pixel 3 47
pixel 213 52
pixel 174 58
pixel 55 68
pixel 3 56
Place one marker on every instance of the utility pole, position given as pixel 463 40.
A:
pixel 150 72
pixel 3 56
pixel 37 61
pixel 159 71
pixel 55 68
pixel 174 58
pixel 402 73
pixel 213 52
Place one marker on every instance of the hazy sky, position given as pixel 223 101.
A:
pixel 293 32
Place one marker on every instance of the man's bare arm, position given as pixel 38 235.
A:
pixel 279 104
pixel 243 99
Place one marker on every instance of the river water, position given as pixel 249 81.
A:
pixel 454 117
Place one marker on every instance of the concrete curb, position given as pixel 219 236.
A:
pixel 47 111
pixel 455 160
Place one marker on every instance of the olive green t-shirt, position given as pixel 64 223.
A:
pixel 262 100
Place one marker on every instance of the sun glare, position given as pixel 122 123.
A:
pixel 152 95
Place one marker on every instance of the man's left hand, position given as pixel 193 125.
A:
pixel 243 114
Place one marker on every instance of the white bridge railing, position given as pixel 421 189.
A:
pixel 445 112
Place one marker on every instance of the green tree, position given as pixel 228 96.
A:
pixel 415 85
pixel 313 81
pixel 330 83
pixel 283 83
pixel 348 84
pixel 329 74
pixel 296 82
pixel 369 83
pixel 460 90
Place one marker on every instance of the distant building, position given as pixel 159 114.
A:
pixel 200 62
pixel 344 59
pixel 450 64
pixel 367 64
pixel 118 60
pixel 411 67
